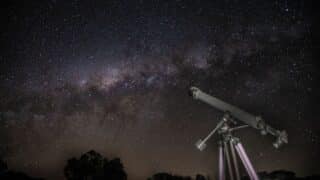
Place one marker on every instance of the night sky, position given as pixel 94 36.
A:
pixel 113 76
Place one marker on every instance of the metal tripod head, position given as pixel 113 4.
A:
pixel 229 145
pixel 222 127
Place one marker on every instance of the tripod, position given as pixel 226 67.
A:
pixel 230 145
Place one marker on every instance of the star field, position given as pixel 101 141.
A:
pixel 114 76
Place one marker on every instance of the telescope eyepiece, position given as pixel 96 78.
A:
pixel 194 92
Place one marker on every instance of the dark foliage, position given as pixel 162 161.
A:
pixel 92 165
pixel 166 176
pixel 3 166
pixel 16 176
pixel 200 177
pixel 282 175
pixel 6 174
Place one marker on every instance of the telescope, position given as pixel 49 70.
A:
pixel 229 145
pixel 251 120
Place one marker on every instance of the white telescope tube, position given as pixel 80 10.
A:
pixel 247 118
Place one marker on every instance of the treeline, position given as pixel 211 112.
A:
pixel 6 174
pixel 93 166
pixel 166 176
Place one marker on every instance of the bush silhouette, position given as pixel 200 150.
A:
pixel 6 174
pixel 3 166
pixel 166 176
pixel 92 165
pixel 282 175
pixel 200 177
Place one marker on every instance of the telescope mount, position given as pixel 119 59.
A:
pixel 229 144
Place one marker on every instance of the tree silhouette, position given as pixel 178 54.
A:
pixel 6 174
pixel 92 165
pixel 166 176
pixel 114 170
pixel 3 166
pixel 200 177
pixel 282 175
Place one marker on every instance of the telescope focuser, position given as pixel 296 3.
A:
pixel 282 138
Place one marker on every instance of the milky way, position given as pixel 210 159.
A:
pixel 114 77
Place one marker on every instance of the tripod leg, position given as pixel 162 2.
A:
pixel 227 155
pixel 235 162
pixel 244 163
pixel 221 162
pixel 245 160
